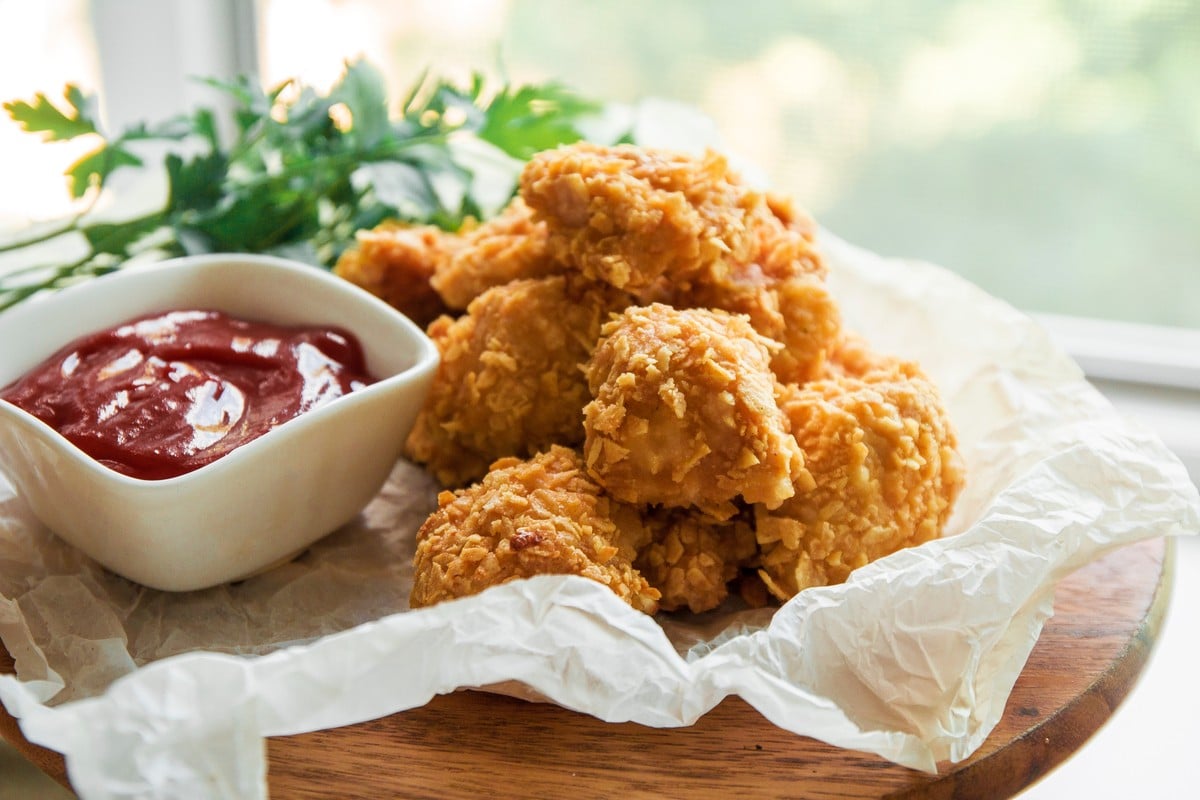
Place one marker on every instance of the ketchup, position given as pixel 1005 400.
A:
pixel 165 394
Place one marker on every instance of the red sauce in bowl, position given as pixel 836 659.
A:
pixel 165 394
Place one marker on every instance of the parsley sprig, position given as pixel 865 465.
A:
pixel 302 172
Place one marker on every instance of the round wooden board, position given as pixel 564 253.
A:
pixel 473 744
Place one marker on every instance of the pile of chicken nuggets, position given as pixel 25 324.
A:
pixel 646 382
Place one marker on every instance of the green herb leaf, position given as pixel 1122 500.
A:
pixel 194 183
pixel 304 170
pixel 118 238
pixel 95 167
pixel 529 119
pixel 43 116
pixel 364 94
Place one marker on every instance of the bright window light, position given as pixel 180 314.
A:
pixel 48 44
pixel 1044 149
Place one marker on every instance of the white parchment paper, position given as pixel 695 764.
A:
pixel 159 695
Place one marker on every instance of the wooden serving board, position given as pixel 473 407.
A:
pixel 472 744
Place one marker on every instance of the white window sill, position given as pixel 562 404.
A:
pixel 1130 352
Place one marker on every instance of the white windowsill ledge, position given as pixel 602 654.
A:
pixel 1130 352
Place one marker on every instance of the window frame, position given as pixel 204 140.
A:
pixel 174 42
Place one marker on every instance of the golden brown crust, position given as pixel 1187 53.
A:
pixel 853 357
pixel 395 262
pixel 881 452
pixel 543 516
pixel 811 322
pixel 510 382
pixel 787 240
pixel 752 590
pixel 683 412
pixel 691 558
pixel 734 435
pixel 781 289
pixel 510 247
pixel 629 215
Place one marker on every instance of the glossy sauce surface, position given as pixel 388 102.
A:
pixel 165 394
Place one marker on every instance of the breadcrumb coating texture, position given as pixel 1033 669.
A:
pixel 781 289
pixel 648 306
pixel 787 239
pixel 683 413
pixel 691 559
pixel 629 215
pixel 511 246
pixel 852 357
pixel 395 262
pixel 882 454
pixel 811 322
pixel 543 516
pixel 509 382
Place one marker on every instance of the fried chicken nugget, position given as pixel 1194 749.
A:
pixel 683 412
pixel 511 246
pixel 690 558
pixel 629 215
pixel 395 262
pixel 882 454
pixel 543 516
pixel 509 382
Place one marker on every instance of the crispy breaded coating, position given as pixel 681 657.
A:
pixel 684 413
pixel 629 215
pixel 647 306
pixel 787 240
pixel 851 356
pixel 543 516
pixel 798 312
pixel 509 382
pixel 510 247
pixel 691 558
pixel 752 590
pixel 882 454
pixel 811 322
pixel 781 289
pixel 395 262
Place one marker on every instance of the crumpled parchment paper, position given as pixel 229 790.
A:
pixel 153 695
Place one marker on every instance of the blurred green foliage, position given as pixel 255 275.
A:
pixel 1063 175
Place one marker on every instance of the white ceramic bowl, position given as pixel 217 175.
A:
pixel 262 503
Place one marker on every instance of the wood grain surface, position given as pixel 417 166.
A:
pixel 472 744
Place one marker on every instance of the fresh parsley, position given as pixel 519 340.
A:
pixel 302 172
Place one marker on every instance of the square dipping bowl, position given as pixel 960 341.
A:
pixel 261 504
